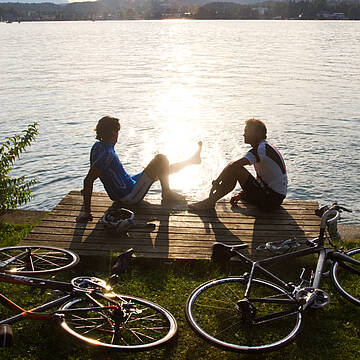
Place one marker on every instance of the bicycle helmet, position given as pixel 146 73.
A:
pixel 120 219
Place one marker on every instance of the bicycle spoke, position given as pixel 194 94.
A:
pixel 43 259
pixel 149 317
pixel 226 329
pixel 214 307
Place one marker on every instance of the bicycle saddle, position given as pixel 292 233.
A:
pixel 222 252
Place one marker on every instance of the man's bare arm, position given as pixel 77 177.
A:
pixel 238 163
pixel 92 175
pixel 241 162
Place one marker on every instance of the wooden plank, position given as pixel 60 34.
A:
pixel 178 233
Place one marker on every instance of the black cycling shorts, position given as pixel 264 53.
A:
pixel 261 195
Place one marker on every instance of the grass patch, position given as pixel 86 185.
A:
pixel 11 235
pixel 331 333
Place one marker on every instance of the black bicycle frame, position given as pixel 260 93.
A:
pixel 324 254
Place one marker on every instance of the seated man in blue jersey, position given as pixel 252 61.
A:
pixel 268 190
pixel 119 185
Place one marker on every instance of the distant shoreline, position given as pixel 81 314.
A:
pixel 104 10
pixel 174 18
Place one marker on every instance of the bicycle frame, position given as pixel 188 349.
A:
pixel 35 313
pixel 316 247
pixel 324 255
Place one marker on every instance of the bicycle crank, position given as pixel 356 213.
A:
pixel 313 298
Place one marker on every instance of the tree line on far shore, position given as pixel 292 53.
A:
pixel 164 9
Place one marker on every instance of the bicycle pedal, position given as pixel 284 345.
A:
pixel 321 299
pixel 312 298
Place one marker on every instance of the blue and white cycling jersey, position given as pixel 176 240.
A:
pixel 117 182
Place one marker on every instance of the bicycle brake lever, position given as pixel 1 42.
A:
pixel 338 207
pixel 344 209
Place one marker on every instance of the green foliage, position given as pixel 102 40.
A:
pixel 11 235
pixel 15 191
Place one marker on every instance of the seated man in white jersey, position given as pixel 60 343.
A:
pixel 268 190
pixel 119 185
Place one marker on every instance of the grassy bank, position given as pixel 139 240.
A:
pixel 331 333
pixel 11 234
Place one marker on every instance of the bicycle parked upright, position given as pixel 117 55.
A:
pixel 256 314
pixel 88 309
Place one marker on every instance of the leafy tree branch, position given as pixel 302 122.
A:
pixel 15 191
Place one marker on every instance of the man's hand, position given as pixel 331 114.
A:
pixel 241 196
pixel 84 217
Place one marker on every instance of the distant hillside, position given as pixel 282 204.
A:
pixel 123 2
pixel 169 9
pixel 33 1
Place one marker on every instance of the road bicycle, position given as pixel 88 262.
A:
pixel 255 314
pixel 87 307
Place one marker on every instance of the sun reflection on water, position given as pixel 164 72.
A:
pixel 182 127
pixel 179 132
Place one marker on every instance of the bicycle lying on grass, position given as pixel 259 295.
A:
pixel 88 308
pixel 248 314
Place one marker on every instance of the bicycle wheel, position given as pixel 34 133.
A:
pixel 27 260
pixel 118 322
pixel 219 313
pixel 346 277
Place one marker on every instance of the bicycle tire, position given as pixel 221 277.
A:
pixel 214 312
pixel 346 277
pixel 142 326
pixel 33 260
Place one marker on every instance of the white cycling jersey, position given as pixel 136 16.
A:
pixel 269 166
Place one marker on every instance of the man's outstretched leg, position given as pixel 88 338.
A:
pixel 193 160
pixel 160 169
pixel 224 184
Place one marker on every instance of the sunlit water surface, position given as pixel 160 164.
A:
pixel 173 83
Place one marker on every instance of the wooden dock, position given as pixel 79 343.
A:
pixel 178 233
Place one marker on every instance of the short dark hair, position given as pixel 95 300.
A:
pixel 258 126
pixel 106 126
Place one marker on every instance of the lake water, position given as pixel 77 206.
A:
pixel 173 83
